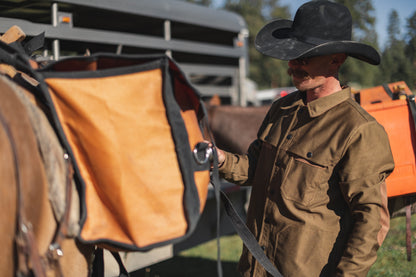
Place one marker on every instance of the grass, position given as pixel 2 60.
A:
pixel 201 261
pixel 392 257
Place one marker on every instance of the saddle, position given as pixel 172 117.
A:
pixel 131 127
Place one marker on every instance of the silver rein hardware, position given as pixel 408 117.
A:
pixel 202 153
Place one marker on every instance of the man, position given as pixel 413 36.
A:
pixel 318 166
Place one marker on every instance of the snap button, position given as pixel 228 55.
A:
pixel 309 155
pixel 289 136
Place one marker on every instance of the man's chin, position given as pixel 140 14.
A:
pixel 301 83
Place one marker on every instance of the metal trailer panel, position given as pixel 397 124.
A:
pixel 191 34
pixel 174 10
pixel 180 11
pixel 109 37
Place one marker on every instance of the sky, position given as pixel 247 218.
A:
pixel 405 8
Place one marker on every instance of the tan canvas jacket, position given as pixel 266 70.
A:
pixel 319 204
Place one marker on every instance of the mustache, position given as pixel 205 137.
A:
pixel 297 73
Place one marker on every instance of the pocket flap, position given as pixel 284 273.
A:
pixel 320 156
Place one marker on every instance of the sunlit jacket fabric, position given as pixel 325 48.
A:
pixel 318 205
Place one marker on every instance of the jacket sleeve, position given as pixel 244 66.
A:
pixel 366 163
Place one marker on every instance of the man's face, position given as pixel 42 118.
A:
pixel 311 73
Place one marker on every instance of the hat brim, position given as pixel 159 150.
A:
pixel 276 40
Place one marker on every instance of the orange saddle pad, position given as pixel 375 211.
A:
pixel 398 121
pixel 130 125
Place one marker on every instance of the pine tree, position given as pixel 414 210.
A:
pixel 411 48
pixel 265 71
pixel 355 72
pixel 395 65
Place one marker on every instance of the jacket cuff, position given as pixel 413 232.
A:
pixel 226 165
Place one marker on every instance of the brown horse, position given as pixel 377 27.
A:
pixel 36 237
pixel 234 127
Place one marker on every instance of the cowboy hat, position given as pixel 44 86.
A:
pixel 319 28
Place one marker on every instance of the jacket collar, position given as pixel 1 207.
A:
pixel 323 104
pixel 318 106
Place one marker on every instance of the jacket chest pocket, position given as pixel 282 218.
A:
pixel 305 181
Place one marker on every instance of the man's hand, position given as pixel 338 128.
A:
pixel 220 153
pixel 221 156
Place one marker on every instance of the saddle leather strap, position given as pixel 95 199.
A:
pixel 27 250
pixel 29 261
pixel 98 264
pixel 55 251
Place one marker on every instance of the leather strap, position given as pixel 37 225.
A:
pixel 55 251
pixel 240 227
pixel 98 264
pixel 388 90
pixel 27 250
pixel 122 269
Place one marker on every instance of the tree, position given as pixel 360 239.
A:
pixel 411 47
pixel 265 71
pixel 395 65
pixel 393 29
pixel 363 19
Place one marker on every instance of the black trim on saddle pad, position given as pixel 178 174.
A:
pixel 173 111
pixel 183 151
pixel 120 65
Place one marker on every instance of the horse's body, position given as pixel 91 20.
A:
pixel 28 223
pixel 234 127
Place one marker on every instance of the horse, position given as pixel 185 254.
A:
pixel 235 127
pixel 37 235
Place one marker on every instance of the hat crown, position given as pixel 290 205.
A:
pixel 319 28
pixel 322 20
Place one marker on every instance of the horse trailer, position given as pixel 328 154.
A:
pixel 209 45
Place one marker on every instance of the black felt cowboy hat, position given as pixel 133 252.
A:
pixel 319 28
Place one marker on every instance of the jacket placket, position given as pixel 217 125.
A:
pixel 269 206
